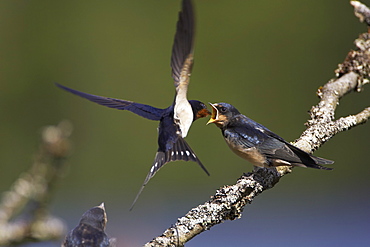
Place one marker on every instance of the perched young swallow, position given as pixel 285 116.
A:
pixel 257 144
pixel 90 231
pixel 175 120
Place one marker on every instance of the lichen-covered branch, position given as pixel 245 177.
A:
pixel 227 204
pixel 24 213
pixel 229 201
pixel 361 11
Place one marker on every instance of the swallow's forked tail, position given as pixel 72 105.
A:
pixel 180 151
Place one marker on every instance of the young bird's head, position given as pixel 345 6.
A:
pixel 95 217
pixel 222 113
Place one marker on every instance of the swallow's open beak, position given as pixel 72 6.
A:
pixel 214 116
pixel 203 113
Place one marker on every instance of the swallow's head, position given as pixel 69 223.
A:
pixel 95 217
pixel 199 109
pixel 222 113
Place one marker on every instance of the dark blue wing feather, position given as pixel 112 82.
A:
pixel 183 43
pixel 145 111
pixel 273 146
pixel 245 136
pixel 290 152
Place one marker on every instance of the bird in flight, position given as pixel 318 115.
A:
pixel 257 144
pixel 175 120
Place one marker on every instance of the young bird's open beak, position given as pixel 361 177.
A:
pixel 214 116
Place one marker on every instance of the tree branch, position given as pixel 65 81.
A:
pixel 228 202
pixel 31 193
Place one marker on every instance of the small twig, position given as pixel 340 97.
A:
pixel 34 189
pixel 361 11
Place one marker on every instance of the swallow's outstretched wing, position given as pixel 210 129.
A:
pixel 182 49
pixel 181 64
pixel 142 110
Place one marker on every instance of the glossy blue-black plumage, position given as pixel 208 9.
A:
pixel 145 111
pixel 257 144
pixel 171 146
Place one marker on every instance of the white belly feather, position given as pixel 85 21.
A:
pixel 183 115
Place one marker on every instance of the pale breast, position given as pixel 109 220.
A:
pixel 249 154
pixel 183 115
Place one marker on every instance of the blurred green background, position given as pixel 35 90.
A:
pixel 265 57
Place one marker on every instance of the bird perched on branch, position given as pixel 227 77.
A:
pixel 90 231
pixel 175 120
pixel 257 144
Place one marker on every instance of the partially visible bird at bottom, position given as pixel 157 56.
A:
pixel 257 144
pixel 90 231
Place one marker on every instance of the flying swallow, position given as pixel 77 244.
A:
pixel 90 231
pixel 175 120
pixel 257 144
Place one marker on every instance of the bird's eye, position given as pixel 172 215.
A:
pixel 222 109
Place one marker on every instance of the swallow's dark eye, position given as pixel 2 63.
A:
pixel 222 109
